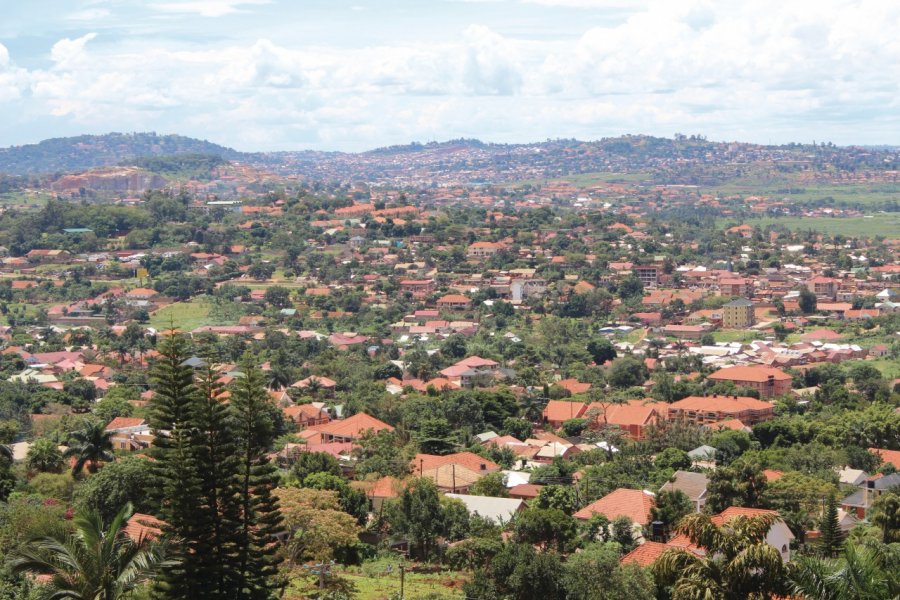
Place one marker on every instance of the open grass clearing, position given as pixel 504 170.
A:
pixel 186 316
pixel 883 224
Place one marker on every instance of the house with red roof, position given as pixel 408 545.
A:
pixel 768 381
pixel 346 430
pixel 307 415
pixel 632 418
pixel 558 412
pixel 710 410
pixel 623 502
pixel 479 250
pixel 454 302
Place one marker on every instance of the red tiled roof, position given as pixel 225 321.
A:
pixel 469 460
pixel 728 404
pixel 646 554
pixel 634 504
pixel 141 526
pixel 888 456
pixel 563 410
pixel 755 373
pixel 124 422
pixel 352 427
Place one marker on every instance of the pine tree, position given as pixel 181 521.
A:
pixel 260 516
pixel 831 538
pixel 218 503
pixel 177 487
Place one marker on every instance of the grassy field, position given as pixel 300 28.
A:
pixel 30 198
pixel 186 316
pixel 30 310
pixel 589 179
pixel 885 224
pixel 735 335
pixel 764 183
pixel 889 367
pixel 379 584
pixel 416 586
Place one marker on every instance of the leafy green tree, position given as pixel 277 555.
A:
pixel 868 381
pixel 59 486
pixel 492 484
pixel 672 458
pixel 623 533
pixel 44 457
pixel 117 484
pixel 601 350
pixel 415 515
pixel 550 527
pixel 596 574
pixel 807 301
pixel 562 497
pixel 738 563
pixel 89 446
pixel 380 453
pixel 740 484
pixel 671 507
pixel 473 553
pixel 730 445
pixel 97 561
pixel 518 428
pixel 111 407
pixel 626 372
pixel 308 463
pixel 278 296
pixel 519 572
pixel 353 501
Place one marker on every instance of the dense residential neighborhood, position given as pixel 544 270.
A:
pixel 458 379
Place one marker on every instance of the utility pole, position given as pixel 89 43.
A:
pixel 402 578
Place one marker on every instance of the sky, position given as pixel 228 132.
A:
pixel 353 75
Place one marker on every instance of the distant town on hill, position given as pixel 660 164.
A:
pixel 688 160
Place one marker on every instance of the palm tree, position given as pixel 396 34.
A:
pixel 93 562
pixel 532 407
pixel 886 516
pixel 738 563
pixel 278 378
pixel 89 445
pixel 863 572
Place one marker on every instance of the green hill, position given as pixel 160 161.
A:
pixel 75 154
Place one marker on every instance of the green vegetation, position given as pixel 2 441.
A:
pixel 179 166
pixel 186 316
pixel 887 225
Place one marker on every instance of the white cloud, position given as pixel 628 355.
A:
pixel 66 53
pixel 760 70
pixel 206 8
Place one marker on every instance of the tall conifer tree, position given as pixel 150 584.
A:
pixel 831 538
pixel 260 516
pixel 177 487
pixel 219 508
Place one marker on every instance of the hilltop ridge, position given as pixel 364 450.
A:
pixel 83 152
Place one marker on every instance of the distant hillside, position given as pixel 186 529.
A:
pixel 179 166
pixel 76 154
